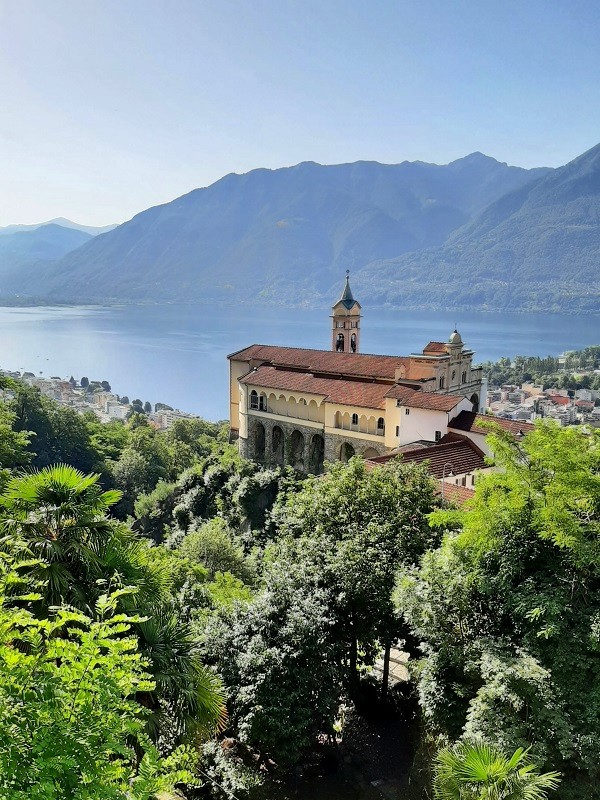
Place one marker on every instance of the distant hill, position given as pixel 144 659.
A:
pixel 537 247
pixel 281 236
pixel 29 251
pixel 64 223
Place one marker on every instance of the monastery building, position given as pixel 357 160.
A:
pixel 301 407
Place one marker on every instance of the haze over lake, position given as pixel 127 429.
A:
pixel 177 354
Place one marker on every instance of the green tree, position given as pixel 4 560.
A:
pixel 84 383
pixel 507 609
pixel 277 657
pixel 478 771
pixel 61 434
pixel 69 726
pixel 212 545
pixel 352 528
pixel 59 515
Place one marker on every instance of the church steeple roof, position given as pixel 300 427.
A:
pixel 347 297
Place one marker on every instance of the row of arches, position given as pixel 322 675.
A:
pixel 304 454
pixel 361 423
pixel 286 406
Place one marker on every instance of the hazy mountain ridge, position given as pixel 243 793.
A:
pixel 62 222
pixel 474 233
pixel 277 235
pixel 27 251
pixel 535 248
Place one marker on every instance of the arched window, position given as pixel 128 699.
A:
pixel 254 399
pixel 353 343
pixel 355 419
pixel 464 376
pixel 262 402
pixel 381 425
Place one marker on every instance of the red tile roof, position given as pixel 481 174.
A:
pixel 366 394
pixel 559 400
pixel 324 361
pixel 468 421
pixel 416 399
pixel 463 456
pixel 435 347
pixel 337 390
pixel 455 494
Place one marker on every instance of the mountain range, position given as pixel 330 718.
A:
pixel 474 233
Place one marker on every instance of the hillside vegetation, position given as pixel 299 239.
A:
pixel 174 616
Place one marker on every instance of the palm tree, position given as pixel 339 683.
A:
pixel 188 698
pixel 480 771
pixel 60 514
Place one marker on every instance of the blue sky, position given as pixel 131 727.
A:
pixel 109 107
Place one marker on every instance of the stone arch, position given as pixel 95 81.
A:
pixel 346 452
pixel 296 456
pixel 316 457
pixel 370 452
pixel 259 442
pixel 277 445
pixel 475 401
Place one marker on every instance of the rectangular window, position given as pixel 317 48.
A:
pixel 397 430
pixel 438 435
pixel 407 410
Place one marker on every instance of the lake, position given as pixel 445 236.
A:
pixel 177 354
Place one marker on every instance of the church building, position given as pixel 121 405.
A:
pixel 290 405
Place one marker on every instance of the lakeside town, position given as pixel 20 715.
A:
pixel 97 397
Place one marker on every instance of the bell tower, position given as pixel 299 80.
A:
pixel 345 322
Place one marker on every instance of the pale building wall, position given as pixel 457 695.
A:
pixel 237 369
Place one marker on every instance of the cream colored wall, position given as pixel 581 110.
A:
pixel 290 405
pixel 338 418
pixel 237 369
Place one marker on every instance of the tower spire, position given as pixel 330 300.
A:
pixel 346 321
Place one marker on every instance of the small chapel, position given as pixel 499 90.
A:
pixel 302 407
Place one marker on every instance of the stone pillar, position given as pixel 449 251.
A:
pixel 268 442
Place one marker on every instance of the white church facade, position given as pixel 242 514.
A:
pixel 303 407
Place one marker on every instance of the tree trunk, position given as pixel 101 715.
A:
pixel 386 671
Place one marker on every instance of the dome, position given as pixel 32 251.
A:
pixel 455 337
